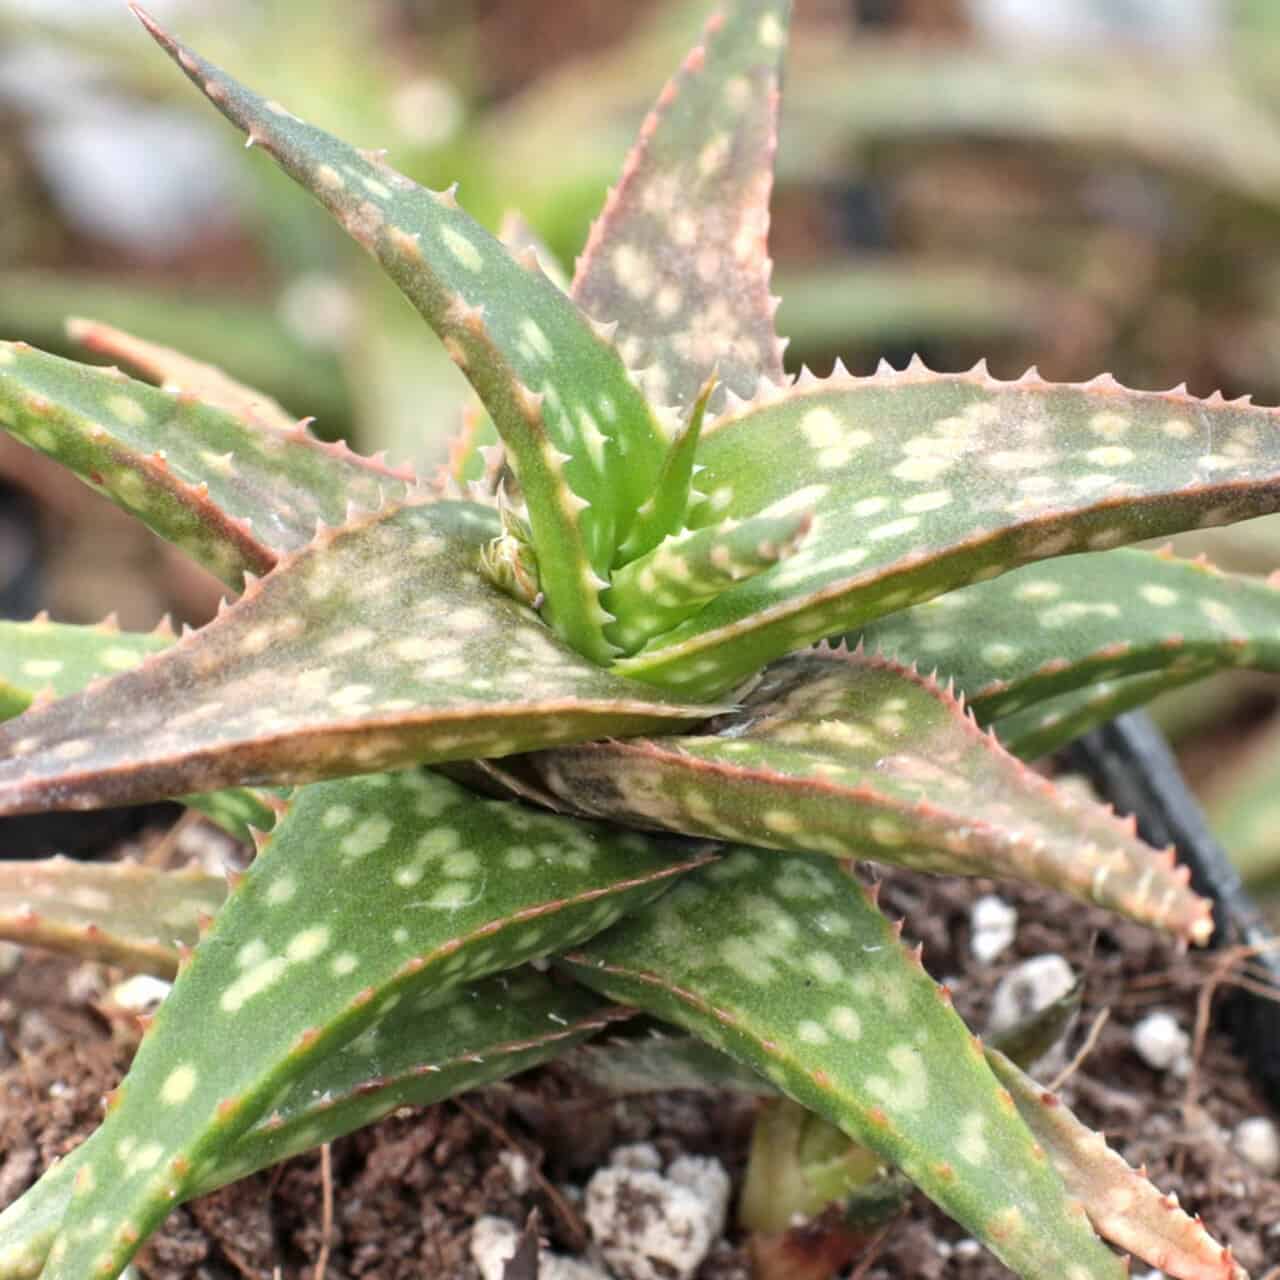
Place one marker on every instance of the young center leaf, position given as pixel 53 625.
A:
pixel 376 646
pixel 580 435
pixel 678 258
pixel 1054 626
pixel 787 966
pixel 923 482
pixel 859 757
pixel 233 491
pixel 291 970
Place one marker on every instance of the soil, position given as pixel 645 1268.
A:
pixel 406 1192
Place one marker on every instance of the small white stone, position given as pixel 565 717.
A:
pixel 636 1155
pixel 516 1163
pixel 1161 1043
pixel 993 925
pixel 1027 990
pixel 494 1240
pixel 10 958
pixel 650 1227
pixel 1257 1141
pixel 140 994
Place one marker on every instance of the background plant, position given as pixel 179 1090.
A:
pixel 647 522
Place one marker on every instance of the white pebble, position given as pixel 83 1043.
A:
pixel 516 1163
pixel 1257 1141
pixel 1162 1044
pixel 651 1227
pixel 10 958
pixel 493 1243
pixel 140 994
pixel 993 925
pixel 1027 990
pixel 636 1155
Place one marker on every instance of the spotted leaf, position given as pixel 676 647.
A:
pixel 233 492
pixel 584 442
pixel 376 646
pixel 177 372
pixel 423 1051
pixel 40 659
pixel 859 757
pixel 1052 627
pixel 787 966
pixel 1045 726
pixel 1124 1206
pixel 370 893
pixel 923 482
pixel 118 912
pixel 678 257
pixel 53 659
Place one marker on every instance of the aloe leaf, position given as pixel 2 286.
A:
pixel 1044 727
pixel 790 969
pixel 1241 804
pixel 1055 626
pixel 54 659
pixel 423 1051
pixel 689 288
pixel 854 756
pixel 1122 1203
pixel 234 494
pixel 582 438
pixel 119 912
pixel 654 593
pixel 421 908
pixel 177 372
pixel 394 651
pixel 922 482
pixel 43 659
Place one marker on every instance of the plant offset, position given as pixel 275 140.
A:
pixel 659 633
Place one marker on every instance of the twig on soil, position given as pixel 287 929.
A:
pixel 569 1218
pixel 326 1212
pixel 1090 1043
pixel 874 1246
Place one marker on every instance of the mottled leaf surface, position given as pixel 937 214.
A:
pixel 177 372
pixel 378 645
pixel 232 492
pixel 678 258
pixel 787 966
pixel 1124 1206
pixel 370 893
pixel 582 438
pixel 924 482
pixel 118 912
pixel 1051 627
pixel 859 757
pixel 59 658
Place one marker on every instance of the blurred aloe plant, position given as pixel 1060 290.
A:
pixel 608 630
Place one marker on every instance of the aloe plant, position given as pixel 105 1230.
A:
pixel 586 697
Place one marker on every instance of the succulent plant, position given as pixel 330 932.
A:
pixel 630 688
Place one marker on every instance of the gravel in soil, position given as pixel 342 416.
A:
pixel 406 1191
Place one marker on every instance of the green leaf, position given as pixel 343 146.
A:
pixel 788 967
pixel 232 492
pixel 1044 727
pixel 678 257
pixel 673 581
pixel 291 970
pixel 921 483
pixel 1243 806
pixel 582 439
pixel 118 912
pixel 1052 627
pixel 54 659
pixel 423 1051
pixel 177 372
pixel 42 659
pixel 1121 1202
pixel 377 646
pixel 858 757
